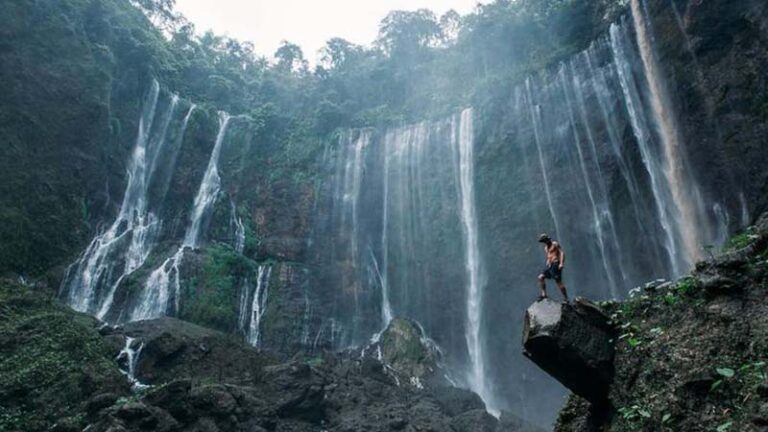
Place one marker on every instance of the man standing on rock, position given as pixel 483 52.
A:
pixel 554 269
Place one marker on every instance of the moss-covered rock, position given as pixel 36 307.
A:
pixel 52 361
pixel 212 282
pixel 405 348
pixel 692 355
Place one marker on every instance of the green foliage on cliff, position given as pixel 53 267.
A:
pixel 697 362
pixel 51 361
pixel 75 72
pixel 209 298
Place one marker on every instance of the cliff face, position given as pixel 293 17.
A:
pixel 283 226
pixel 715 58
pixel 689 355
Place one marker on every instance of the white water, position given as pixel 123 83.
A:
pixel 253 306
pixel 386 305
pixel 164 283
pixel 124 247
pixel 744 210
pixel 641 131
pixel 598 226
pixel 534 109
pixel 476 378
pixel 131 356
pixel 239 230
pixel 687 210
pixel 209 188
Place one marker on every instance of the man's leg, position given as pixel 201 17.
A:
pixel 542 286
pixel 561 285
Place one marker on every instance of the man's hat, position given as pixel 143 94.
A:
pixel 544 237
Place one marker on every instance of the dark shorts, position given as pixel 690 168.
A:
pixel 553 272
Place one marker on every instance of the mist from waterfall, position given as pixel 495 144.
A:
pixel 91 282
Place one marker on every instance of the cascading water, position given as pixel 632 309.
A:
pixel 466 139
pixel 596 213
pixel 415 192
pixel 632 97
pixel 744 216
pixel 579 155
pixel 688 211
pixel 162 290
pixel 253 305
pixel 129 355
pixel 124 247
pixel 535 114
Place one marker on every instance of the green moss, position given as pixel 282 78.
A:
pixel 51 361
pixel 210 297
pixel 741 240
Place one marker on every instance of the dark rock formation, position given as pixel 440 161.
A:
pixel 690 356
pixel 52 361
pixel 573 343
pixel 409 355
pixel 344 392
pixel 173 348
pixel 204 380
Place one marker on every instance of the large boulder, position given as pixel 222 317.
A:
pixel 574 344
pixel 170 349
pixel 405 354
pixel 406 348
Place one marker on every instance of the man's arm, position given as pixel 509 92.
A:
pixel 562 256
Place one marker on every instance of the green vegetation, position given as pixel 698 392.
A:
pixel 210 296
pixel 694 357
pixel 91 61
pixel 51 362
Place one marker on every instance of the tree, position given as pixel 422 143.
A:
pixel 450 25
pixel 290 58
pixel 161 13
pixel 338 52
pixel 407 33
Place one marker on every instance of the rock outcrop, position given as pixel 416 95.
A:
pixel 168 375
pixel 408 355
pixel 573 343
pixel 689 356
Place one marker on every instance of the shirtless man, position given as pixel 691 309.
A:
pixel 554 270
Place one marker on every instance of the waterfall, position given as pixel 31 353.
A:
pixel 164 283
pixel 130 356
pixel 642 134
pixel 477 378
pixel 598 226
pixel 209 188
pixel 253 305
pixel 577 151
pixel 111 256
pixel 687 209
pixel 238 229
pixel 535 114
pixel 386 306
pixel 745 219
